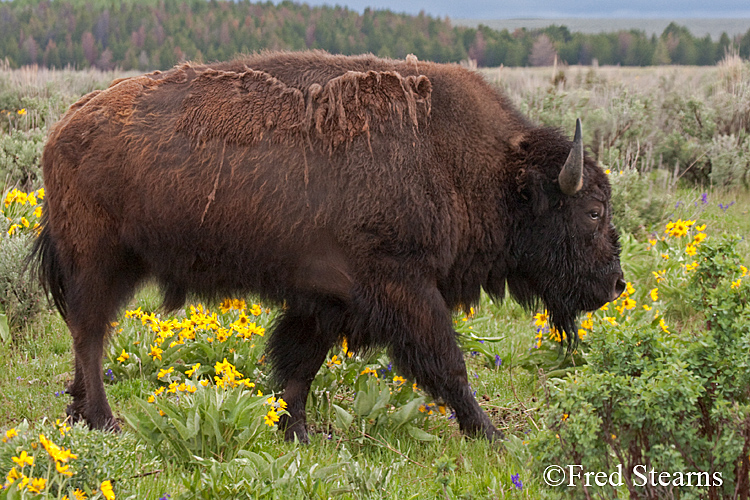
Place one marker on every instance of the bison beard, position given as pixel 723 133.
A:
pixel 370 197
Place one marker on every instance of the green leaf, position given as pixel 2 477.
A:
pixel 420 435
pixel 343 418
pixel 407 412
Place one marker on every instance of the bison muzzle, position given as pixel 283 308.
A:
pixel 370 197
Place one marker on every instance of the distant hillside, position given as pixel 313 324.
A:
pixel 156 34
pixel 697 27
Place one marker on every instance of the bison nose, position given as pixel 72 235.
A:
pixel 619 288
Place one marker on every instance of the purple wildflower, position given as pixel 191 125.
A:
pixel 704 198
pixel 516 478
pixel 498 361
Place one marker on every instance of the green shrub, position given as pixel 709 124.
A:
pixel 730 164
pixel 62 459
pixel 20 152
pixel 649 397
pixel 21 296
pixel 637 203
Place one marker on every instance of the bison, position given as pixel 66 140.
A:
pixel 370 197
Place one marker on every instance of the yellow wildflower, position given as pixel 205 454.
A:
pixel 654 294
pixel 135 313
pixel 691 249
pixel 679 229
pixel 271 417
pixel 225 306
pixel 63 426
pixel 629 288
pixel 744 271
pixel 554 334
pixel 79 494
pixel 399 380
pixel 164 373
pixel 106 489
pixel 736 284
pixel 334 361
pixel 628 303
pixel 156 352
pixel 691 267
pixel 370 371
pixel 54 451
pixel 63 469
pixel 22 112
pixel 123 357
pixel 37 485
pixel 256 310
pixel 588 323
pixel 663 325
pixel 540 319
pixel 9 434
pixel 191 371
pixel 345 348
pixel 23 459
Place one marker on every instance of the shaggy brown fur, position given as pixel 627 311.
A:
pixel 370 196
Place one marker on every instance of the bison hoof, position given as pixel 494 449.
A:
pixel 74 412
pixel 494 435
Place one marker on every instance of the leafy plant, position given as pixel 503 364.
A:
pixel 650 399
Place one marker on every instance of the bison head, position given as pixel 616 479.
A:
pixel 565 250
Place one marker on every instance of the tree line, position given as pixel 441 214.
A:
pixel 156 34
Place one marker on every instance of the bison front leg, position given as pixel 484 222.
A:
pixel 422 344
pixel 297 348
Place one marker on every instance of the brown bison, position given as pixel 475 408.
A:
pixel 371 197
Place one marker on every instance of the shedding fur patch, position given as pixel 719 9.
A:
pixel 356 103
pixel 243 108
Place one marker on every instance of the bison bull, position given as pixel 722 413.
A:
pixel 371 197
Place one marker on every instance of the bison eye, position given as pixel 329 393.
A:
pixel 595 215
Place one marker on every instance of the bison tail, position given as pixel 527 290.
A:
pixel 44 259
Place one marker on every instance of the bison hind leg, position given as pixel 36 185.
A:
pixel 99 287
pixel 296 349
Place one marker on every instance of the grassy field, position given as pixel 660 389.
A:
pixel 674 141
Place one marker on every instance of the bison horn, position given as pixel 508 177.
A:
pixel 571 175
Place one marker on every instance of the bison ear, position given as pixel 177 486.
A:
pixel 571 175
